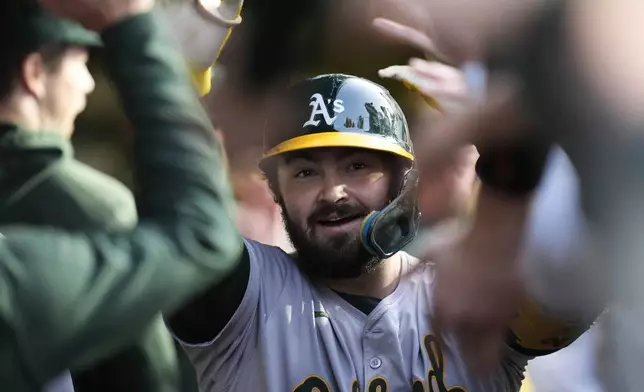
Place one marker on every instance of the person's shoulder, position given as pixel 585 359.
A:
pixel 272 258
pixel 261 251
pixel 77 172
pixel 415 269
pixel 94 193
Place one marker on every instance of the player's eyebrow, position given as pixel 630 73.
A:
pixel 349 152
pixel 297 155
pixel 339 154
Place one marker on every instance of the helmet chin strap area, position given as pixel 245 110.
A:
pixel 365 233
pixel 385 232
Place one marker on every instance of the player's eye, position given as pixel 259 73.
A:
pixel 357 166
pixel 304 173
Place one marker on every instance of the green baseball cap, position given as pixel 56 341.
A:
pixel 35 27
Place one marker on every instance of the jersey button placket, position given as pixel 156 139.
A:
pixel 375 363
pixel 372 341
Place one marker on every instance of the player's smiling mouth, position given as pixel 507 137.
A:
pixel 340 221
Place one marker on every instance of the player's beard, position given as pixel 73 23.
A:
pixel 339 257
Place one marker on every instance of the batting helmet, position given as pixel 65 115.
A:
pixel 337 110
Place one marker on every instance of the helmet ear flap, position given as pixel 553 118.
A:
pixel 401 168
pixel 385 232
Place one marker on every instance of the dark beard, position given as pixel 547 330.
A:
pixel 342 257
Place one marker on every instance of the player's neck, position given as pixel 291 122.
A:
pixel 378 283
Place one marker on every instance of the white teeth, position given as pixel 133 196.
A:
pixel 332 219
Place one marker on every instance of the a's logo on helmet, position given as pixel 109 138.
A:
pixel 319 107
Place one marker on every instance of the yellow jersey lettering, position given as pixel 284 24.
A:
pixel 436 373
pixel 378 384
pixel 313 383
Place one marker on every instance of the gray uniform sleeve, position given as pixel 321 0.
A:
pixel 271 274
pixel 68 297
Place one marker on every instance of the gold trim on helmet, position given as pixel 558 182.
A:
pixel 338 139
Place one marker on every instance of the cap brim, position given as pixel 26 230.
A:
pixel 339 139
pixel 46 30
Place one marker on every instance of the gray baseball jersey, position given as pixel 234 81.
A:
pixel 290 334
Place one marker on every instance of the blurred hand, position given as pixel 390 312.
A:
pixel 478 287
pixel 451 194
pixel 201 27
pixel 474 300
pixel 97 14
pixel 442 86
pixel 409 35
pixel 499 119
pixel 464 29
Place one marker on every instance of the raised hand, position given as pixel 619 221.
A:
pixel 201 27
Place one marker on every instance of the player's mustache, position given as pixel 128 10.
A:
pixel 336 211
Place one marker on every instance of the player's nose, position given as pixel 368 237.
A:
pixel 333 191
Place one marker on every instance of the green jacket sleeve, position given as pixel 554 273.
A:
pixel 67 297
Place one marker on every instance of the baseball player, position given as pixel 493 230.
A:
pixel 347 311
pixel 67 299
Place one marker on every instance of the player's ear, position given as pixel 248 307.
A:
pixel 277 197
pixel 269 171
pixel 34 75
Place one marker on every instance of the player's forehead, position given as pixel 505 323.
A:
pixel 330 154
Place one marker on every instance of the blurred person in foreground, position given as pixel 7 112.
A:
pixel 45 82
pixel 448 199
pixel 555 226
pixel 43 172
pixel 70 298
pixel 564 72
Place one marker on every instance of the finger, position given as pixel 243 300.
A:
pixel 435 69
pixel 442 95
pixel 493 121
pixel 450 82
pixel 408 36
pixel 409 76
